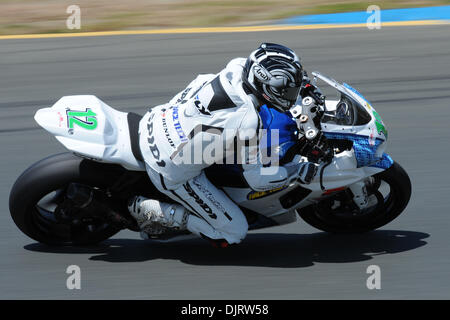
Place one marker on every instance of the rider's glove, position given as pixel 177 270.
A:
pixel 308 90
pixel 316 150
pixel 307 172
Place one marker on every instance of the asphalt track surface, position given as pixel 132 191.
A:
pixel 405 73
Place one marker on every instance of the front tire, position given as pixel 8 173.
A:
pixel 390 207
pixel 47 179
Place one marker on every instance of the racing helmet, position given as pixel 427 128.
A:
pixel 274 74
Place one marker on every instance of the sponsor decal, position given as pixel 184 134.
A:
pixel 84 119
pixel 199 201
pixel 198 89
pixel 260 73
pixel 166 129
pixel 152 145
pixel 211 198
pixel 177 125
pixel 253 195
pixel 182 99
pixel 266 97
pixel 60 119
pixel 372 137
pixel 379 124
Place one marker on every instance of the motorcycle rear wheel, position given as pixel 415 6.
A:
pixel 42 186
pixel 324 217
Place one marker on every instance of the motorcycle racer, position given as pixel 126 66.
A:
pixel 221 105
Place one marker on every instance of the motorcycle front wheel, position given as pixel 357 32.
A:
pixel 390 195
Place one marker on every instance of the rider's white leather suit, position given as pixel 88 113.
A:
pixel 212 106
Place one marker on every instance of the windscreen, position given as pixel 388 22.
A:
pixel 348 112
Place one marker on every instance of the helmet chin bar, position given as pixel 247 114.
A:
pixel 280 104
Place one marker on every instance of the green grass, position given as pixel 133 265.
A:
pixel 341 7
pixel 226 4
pixel 31 16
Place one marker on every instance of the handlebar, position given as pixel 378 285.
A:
pixel 308 116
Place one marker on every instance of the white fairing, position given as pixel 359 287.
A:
pixel 97 131
pixel 342 172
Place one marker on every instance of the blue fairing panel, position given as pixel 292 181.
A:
pixel 385 163
pixel 286 126
pixel 365 152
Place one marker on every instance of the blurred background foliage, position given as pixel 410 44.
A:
pixel 49 16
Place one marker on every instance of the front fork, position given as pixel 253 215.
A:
pixel 360 194
pixel 362 190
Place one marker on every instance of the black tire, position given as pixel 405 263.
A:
pixel 394 204
pixel 55 173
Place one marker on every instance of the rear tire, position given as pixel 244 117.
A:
pixel 46 176
pixel 394 204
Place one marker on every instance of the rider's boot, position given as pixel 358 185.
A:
pixel 155 217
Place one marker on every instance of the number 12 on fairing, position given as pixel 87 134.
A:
pixel 85 119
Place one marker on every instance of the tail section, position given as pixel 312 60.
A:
pixel 89 127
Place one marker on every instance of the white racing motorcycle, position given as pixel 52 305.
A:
pixel 80 197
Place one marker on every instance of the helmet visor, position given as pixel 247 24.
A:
pixel 290 93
